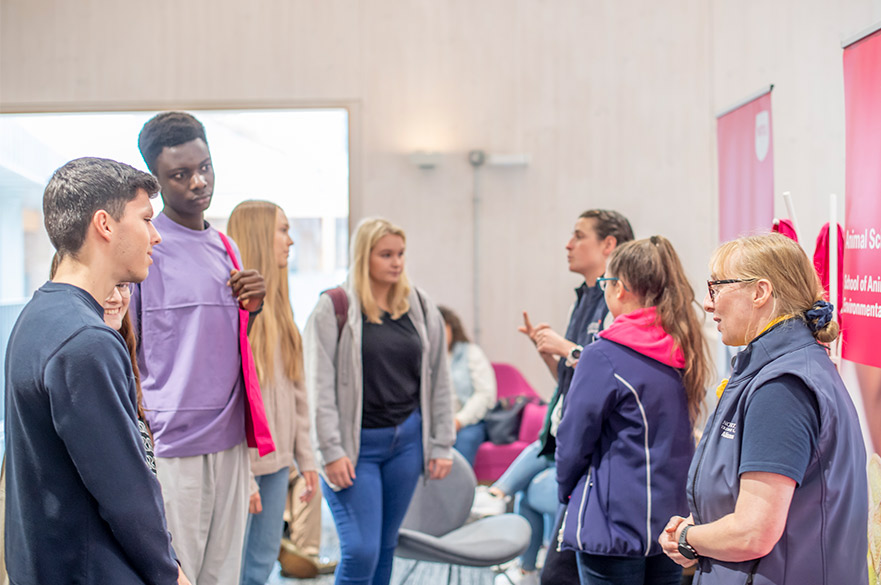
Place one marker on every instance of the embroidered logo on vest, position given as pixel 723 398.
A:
pixel 728 429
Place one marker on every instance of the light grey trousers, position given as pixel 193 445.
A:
pixel 206 506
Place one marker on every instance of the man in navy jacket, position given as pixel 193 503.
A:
pixel 82 505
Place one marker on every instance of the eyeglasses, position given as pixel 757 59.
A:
pixel 603 281
pixel 125 288
pixel 711 284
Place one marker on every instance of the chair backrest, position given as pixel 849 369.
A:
pixel 511 382
pixel 532 422
pixel 441 506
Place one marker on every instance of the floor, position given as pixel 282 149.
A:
pixel 423 574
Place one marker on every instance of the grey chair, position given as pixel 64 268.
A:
pixel 435 529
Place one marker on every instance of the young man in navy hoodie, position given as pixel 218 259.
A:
pixel 82 504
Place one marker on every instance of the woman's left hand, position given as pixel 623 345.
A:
pixel 311 480
pixel 669 540
pixel 255 505
pixel 439 468
pixel 181 578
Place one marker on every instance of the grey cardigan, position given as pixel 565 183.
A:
pixel 334 381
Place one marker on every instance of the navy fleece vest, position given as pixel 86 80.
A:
pixel 824 542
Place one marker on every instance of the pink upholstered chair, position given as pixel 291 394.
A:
pixel 492 460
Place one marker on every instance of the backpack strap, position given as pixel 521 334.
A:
pixel 340 301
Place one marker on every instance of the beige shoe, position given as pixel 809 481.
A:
pixel 326 566
pixel 296 564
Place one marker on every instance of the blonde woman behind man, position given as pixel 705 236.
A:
pixel 261 230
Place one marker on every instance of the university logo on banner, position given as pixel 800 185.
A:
pixel 746 168
pixel 763 134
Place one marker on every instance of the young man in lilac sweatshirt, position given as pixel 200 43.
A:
pixel 186 314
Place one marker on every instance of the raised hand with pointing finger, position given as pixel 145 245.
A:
pixel 548 343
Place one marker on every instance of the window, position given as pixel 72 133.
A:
pixel 298 159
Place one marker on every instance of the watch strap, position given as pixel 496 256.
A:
pixel 574 355
pixel 686 549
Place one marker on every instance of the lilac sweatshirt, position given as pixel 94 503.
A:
pixel 188 346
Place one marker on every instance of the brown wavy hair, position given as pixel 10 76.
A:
pixel 651 269
pixel 452 319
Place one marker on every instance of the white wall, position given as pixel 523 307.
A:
pixel 797 47
pixel 614 101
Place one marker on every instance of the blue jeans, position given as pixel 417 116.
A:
pixel 469 439
pixel 263 531
pixel 523 469
pixel 537 504
pixel 533 479
pixel 369 514
pixel 603 570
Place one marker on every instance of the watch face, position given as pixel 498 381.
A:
pixel 576 353
pixel 686 549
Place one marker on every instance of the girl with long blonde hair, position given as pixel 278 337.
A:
pixel 261 230
pixel 380 400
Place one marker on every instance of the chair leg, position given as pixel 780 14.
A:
pixel 450 575
pixel 408 573
pixel 498 571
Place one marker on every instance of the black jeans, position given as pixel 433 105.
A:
pixel 654 570
pixel 561 567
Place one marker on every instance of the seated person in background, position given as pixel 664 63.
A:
pixel 474 382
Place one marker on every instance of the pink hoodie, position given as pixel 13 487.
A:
pixel 640 332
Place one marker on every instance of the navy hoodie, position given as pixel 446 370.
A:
pixel 625 441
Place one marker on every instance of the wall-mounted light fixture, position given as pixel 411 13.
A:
pixel 478 158
pixel 507 160
pixel 425 159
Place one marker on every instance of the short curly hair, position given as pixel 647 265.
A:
pixel 167 129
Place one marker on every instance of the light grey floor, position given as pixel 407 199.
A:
pixel 424 574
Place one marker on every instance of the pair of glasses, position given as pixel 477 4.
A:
pixel 712 284
pixel 125 288
pixel 604 281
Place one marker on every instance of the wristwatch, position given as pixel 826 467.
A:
pixel 573 356
pixel 686 549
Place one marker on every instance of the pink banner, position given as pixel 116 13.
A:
pixel 861 302
pixel 746 169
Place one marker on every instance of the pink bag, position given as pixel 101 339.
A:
pixel 256 425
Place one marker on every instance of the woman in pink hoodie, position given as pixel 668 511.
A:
pixel 625 441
